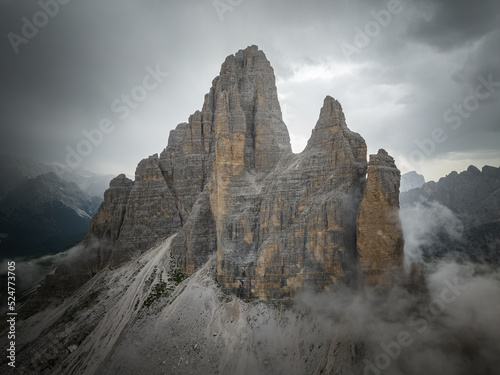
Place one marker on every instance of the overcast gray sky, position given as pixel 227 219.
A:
pixel 418 78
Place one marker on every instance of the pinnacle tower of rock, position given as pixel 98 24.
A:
pixel 228 184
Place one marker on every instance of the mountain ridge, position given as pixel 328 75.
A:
pixel 229 183
pixel 44 214
pixel 473 200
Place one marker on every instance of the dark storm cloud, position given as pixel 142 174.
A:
pixel 394 91
pixel 438 55
pixel 65 78
pixel 451 23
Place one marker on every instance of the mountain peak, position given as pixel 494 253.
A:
pixel 331 113
pixel 411 180
pixel 228 183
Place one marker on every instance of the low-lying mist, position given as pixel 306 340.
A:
pixel 451 328
pixel 443 317
pixel 31 272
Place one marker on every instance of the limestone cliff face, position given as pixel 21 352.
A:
pixel 152 212
pixel 228 183
pixel 295 226
pixel 107 222
pixel 379 233
pixel 134 216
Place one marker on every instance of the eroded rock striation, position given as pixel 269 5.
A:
pixel 379 233
pixel 228 183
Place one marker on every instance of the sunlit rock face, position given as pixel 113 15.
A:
pixel 379 233
pixel 228 183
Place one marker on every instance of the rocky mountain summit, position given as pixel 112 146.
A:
pixel 411 180
pixel 16 170
pixel 228 183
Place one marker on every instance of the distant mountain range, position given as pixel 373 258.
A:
pixel 45 208
pixel 473 199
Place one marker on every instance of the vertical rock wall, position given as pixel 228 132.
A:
pixel 302 216
pixel 229 183
pixel 380 236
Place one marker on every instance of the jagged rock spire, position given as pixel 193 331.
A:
pixel 379 233
pixel 244 100
pixel 229 183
